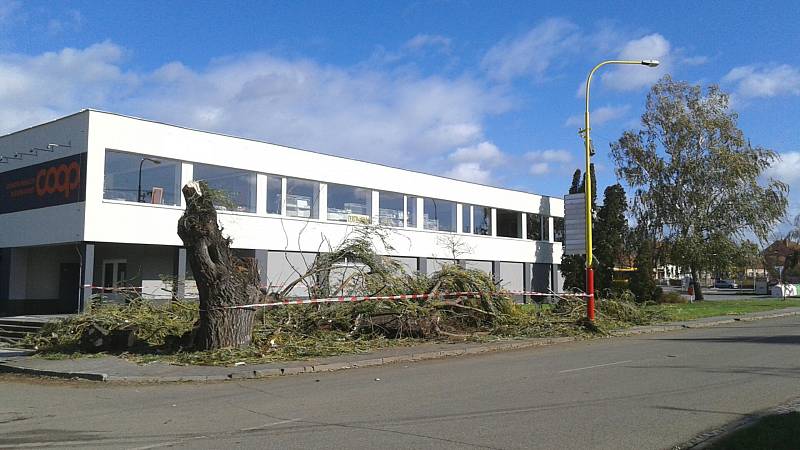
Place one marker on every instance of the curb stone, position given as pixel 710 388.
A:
pixel 7 367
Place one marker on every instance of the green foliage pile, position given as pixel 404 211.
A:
pixel 154 325
pixel 306 331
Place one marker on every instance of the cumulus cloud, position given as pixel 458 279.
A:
pixel 786 169
pixel 366 112
pixel 475 162
pixel 545 161
pixel 533 53
pixel 633 77
pixel 470 171
pixel 599 116
pixel 755 81
pixel 39 88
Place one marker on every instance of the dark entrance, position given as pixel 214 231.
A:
pixel 69 287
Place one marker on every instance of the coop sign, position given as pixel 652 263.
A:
pixel 52 183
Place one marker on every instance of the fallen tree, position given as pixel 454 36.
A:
pixel 223 280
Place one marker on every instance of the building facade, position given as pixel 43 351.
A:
pixel 89 204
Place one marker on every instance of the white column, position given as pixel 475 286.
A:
pixel 323 201
pixel 524 232
pixel 261 194
pixel 420 213
pixel 494 222
pixel 459 217
pixel 550 229
pixel 284 185
pixel 376 208
pixel 187 175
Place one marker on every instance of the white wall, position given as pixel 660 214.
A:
pixel 55 224
pixel 144 223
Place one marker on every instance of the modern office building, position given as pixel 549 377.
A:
pixel 91 201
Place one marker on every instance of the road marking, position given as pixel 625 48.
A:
pixel 595 366
pixel 269 425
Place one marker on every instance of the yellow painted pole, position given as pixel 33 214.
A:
pixel 587 189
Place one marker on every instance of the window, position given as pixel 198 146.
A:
pixel 481 220
pixel 558 229
pixel 160 178
pixel 390 209
pixel 466 215
pixel 509 223
pixel 535 226
pixel 411 212
pixel 274 194
pixel 439 215
pixel 349 204
pixel 237 186
pixel 302 198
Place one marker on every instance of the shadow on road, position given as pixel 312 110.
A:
pixel 780 339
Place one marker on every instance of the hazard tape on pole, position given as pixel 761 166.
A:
pixel 349 299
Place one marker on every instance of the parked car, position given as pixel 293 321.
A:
pixel 726 284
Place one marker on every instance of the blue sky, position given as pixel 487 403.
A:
pixel 483 91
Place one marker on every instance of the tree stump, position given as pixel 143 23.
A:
pixel 223 280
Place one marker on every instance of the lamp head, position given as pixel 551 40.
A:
pixel 651 62
pixel 153 160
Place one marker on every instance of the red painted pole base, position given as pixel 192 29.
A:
pixel 590 292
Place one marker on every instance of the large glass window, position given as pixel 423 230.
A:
pixel 390 207
pixel 349 204
pixel 439 215
pixel 302 198
pixel 466 215
pixel 534 226
pixel 274 194
pixel 509 223
pixel 160 178
pixel 482 220
pixel 411 211
pixel 558 229
pixel 237 187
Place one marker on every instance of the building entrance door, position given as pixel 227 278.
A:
pixel 115 272
pixel 69 287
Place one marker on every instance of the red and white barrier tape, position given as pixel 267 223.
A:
pixel 356 298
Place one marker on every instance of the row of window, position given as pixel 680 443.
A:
pixel 140 178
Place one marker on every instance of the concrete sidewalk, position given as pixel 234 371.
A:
pixel 110 368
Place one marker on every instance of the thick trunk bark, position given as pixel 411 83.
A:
pixel 698 292
pixel 223 280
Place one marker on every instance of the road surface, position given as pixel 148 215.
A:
pixel 622 393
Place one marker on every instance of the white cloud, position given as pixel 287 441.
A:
pixel 39 88
pixel 428 40
pixel 599 116
pixel 545 161
pixel 470 171
pixel 633 77
pixel 533 53
pixel 485 152
pixel 786 169
pixel 367 112
pixel 540 168
pixel 764 81
pixel 474 162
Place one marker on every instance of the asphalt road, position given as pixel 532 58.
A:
pixel 638 393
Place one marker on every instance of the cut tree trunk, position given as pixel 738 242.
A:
pixel 698 292
pixel 223 280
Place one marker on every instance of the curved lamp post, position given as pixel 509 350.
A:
pixel 139 189
pixel 588 183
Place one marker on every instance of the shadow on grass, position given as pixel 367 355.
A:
pixel 781 432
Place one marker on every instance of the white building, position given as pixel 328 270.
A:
pixel 74 217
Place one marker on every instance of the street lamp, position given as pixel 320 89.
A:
pixel 139 189
pixel 588 184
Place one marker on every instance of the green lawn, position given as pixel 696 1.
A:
pixel 774 433
pixel 697 310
